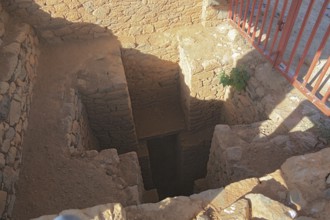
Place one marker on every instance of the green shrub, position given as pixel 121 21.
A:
pixel 237 78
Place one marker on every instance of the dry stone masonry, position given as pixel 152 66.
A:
pixel 102 84
pixel 203 56
pixel 152 72
pixel 18 62
pixel 80 137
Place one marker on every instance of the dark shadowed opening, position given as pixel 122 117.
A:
pixel 163 162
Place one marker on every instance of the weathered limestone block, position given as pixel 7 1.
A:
pixel 170 208
pixel 222 198
pixel 265 208
pixel 239 210
pixel 273 186
pixel 129 161
pixel 306 178
pixel 219 171
pixel 124 169
pixel 106 211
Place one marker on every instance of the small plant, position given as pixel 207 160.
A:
pixel 237 78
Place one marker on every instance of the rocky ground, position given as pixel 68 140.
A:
pixel 299 190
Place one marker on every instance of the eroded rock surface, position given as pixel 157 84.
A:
pixel 234 146
pixel 256 198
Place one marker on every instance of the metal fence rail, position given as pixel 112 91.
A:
pixel 294 36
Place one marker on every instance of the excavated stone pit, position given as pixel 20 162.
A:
pixel 151 101
pixel 129 109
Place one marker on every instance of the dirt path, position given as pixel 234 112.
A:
pixel 49 181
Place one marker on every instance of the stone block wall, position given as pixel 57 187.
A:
pixel 18 63
pixel 103 87
pixel 80 18
pixel 151 80
pixel 79 136
pixel 201 93
pixel 203 56
pixel 111 119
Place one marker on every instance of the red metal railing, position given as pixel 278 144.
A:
pixel 288 33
